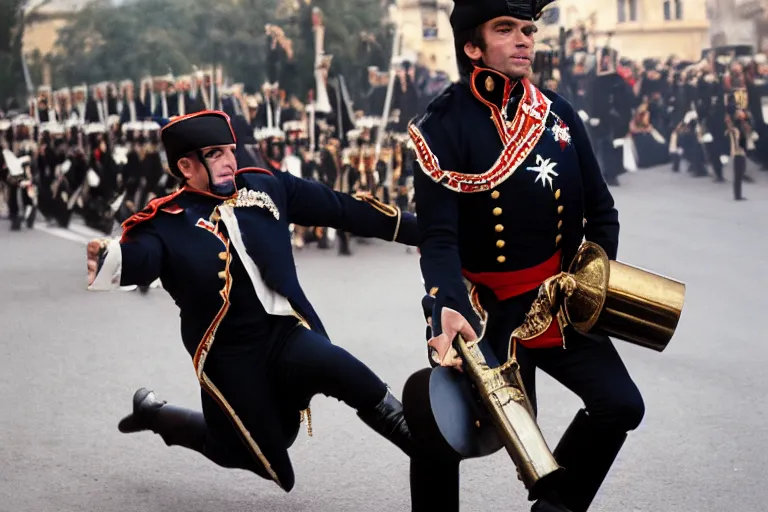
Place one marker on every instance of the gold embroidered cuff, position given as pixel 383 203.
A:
pixel 397 226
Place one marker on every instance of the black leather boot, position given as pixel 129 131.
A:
pixel 176 425
pixel 344 244
pixel 587 454
pixel 388 419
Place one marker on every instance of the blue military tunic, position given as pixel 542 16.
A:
pixel 228 264
pixel 508 182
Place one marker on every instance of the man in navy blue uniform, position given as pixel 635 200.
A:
pixel 507 188
pixel 222 249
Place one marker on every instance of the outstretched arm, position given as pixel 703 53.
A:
pixel 134 261
pixel 314 204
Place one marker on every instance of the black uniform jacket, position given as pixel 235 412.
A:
pixel 507 182
pixel 210 251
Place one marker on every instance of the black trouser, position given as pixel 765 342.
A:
pixel 714 154
pixel 589 367
pixel 18 201
pixel 739 169
pixel 267 391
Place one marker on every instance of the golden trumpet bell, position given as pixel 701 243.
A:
pixel 622 301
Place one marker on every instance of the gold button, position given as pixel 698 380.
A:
pixel 501 259
pixel 223 256
pixel 495 194
pixel 557 194
pixel 500 243
pixel 433 291
pixel 222 275
pixel 497 211
pixel 559 209
pixel 557 239
pixel 559 224
pixel 499 228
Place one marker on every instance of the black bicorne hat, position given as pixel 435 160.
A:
pixel 469 14
pixel 187 134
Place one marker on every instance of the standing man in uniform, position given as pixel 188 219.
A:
pixel 507 188
pixel 221 246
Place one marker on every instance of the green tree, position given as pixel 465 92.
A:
pixel 11 34
pixel 155 37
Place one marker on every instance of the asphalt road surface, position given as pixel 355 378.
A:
pixel 71 359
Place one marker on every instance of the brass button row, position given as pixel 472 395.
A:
pixel 499 227
pixel 223 274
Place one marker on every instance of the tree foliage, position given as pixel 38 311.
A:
pixel 155 37
pixel 11 34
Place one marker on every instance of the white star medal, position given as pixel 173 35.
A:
pixel 545 170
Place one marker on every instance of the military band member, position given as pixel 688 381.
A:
pixel 221 246
pixel 507 188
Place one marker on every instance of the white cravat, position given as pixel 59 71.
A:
pixel 273 302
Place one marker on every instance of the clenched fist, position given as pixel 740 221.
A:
pixel 94 251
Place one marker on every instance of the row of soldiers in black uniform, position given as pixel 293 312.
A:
pixel 108 163
pixel 708 113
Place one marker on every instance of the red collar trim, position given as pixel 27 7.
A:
pixel 494 90
pixel 519 136
pixel 148 212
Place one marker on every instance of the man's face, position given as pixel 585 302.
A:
pixel 509 46
pixel 221 161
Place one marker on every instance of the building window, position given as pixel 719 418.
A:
pixel 627 10
pixel 673 10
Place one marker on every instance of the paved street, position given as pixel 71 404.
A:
pixel 71 359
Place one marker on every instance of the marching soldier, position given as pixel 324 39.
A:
pixel 507 187
pixel 711 110
pixel 133 109
pixel 741 136
pixel 161 86
pixel 16 174
pixel 259 350
pixel 612 101
pixel 44 109
pixel 79 102
pixel 757 90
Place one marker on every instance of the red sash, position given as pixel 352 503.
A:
pixel 506 285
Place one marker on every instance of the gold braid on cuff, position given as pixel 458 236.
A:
pixel 388 210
